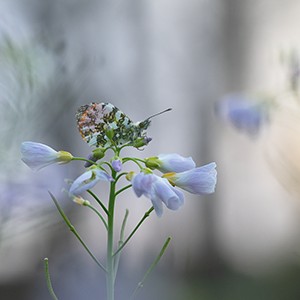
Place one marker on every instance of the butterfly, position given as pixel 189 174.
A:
pixel 104 125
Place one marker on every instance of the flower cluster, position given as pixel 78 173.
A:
pixel 177 171
pixel 159 178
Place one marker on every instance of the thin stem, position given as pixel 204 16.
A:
pixel 98 200
pixel 48 279
pixel 110 278
pixel 117 258
pixel 84 159
pixel 109 165
pixel 135 160
pixel 73 230
pixel 97 212
pixel 146 215
pixel 153 265
pixel 123 189
pixel 120 175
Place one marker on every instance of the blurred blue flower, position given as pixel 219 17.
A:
pixel 201 180
pixel 37 155
pixel 172 162
pixel 244 114
pixel 88 180
pixel 158 190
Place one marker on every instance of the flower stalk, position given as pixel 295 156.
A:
pixel 48 279
pixel 105 127
pixel 110 278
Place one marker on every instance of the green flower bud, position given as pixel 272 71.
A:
pixel 79 200
pixel 140 142
pixel 64 157
pixel 110 133
pixel 130 175
pixel 98 153
pixel 152 162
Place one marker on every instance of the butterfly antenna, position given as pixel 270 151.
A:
pixel 162 112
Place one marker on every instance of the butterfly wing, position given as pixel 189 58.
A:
pixel 94 120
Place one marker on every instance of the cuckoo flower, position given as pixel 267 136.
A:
pixel 88 180
pixel 201 180
pixel 170 163
pixel 158 190
pixel 244 114
pixel 37 155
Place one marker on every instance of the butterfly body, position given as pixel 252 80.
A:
pixel 103 125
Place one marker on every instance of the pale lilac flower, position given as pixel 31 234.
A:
pixel 175 163
pixel 158 190
pixel 88 180
pixel 37 155
pixel 117 165
pixel 201 180
pixel 245 115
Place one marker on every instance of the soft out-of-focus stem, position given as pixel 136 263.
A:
pixel 153 265
pixel 48 279
pixel 146 215
pixel 74 231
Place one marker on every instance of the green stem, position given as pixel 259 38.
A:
pixel 98 200
pixel 123 189
pixel 146 215
pixel 48 279
pixel 153 265
pixel 120 175
pixel 135 160
pixel 73 230
pixel 117 258
pixel 110 278
pixel 84 159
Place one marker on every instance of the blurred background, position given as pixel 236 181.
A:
pixel 145 56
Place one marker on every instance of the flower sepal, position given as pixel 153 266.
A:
pixel 152 162
pixel 64 157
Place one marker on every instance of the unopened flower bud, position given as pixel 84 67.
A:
pixel 140 142
pixel 152 162
pixel 117 165
pixel 79 200
pixel 99 153
pixel 92 158
pixel 110 133
pixel 130 175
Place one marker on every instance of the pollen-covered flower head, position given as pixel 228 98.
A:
pixel 158 190
pixel 37 155
pixel 201 180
